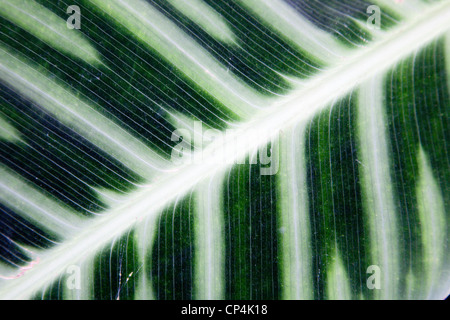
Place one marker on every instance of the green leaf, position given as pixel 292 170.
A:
pixel 319 167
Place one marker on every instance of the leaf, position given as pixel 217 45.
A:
pixel 320 168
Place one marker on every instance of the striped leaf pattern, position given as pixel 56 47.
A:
pixel 333 177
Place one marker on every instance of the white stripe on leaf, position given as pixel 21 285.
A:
pixel 433 226
pixel 207 18
pixel 338 284
pixel 376 183
pixel 37 207
pixel 8 132
pixel 295 228
pixel 145 234
pixel 210 240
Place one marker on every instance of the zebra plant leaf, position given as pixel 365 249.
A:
pixel 209 149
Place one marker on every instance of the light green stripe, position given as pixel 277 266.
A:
pixel 432 223
pixel 48 27
pixel 338 283
pixel 378 201
pixel 207 18
pixel 294 220
pixel 145 234
pixel 210 238
pixel 37 206
pixel 8 132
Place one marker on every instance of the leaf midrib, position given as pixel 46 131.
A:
pixel 302 104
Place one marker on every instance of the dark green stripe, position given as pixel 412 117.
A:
pixel 251 261
pixel 418 106
pixel 173 252
pixel 335 197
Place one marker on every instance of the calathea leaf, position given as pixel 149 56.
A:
pixel 312 136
